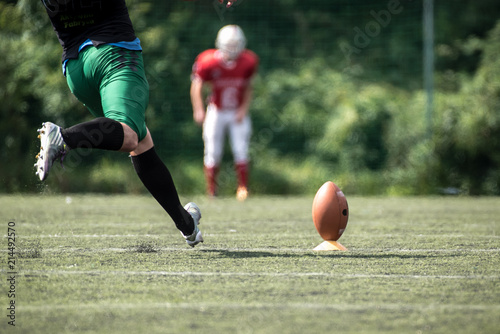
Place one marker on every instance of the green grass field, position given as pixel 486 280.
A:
pixel 116 264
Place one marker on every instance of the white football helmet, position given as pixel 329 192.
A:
pixel 231 41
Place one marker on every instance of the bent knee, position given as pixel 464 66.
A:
pixel 129 144
pixel 130 139
pixel 144 145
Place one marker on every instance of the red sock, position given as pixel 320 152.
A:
pixel 211 177
pixel 242 174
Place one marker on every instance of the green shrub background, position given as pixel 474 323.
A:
pixel 319 113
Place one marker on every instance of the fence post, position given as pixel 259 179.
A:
pixel 428 30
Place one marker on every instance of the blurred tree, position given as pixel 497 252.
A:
pixel 339 84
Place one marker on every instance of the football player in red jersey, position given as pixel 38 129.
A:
pixel 228 70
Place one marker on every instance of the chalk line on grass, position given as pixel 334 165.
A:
pixel 247 274
pixel 249 306
pixel 233 233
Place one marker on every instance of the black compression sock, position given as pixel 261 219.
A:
pixel 102 133
pixel 157 179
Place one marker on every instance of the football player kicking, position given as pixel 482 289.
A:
pixel 103 64
pixel 228 70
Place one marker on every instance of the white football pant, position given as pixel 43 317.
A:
pixel 217 123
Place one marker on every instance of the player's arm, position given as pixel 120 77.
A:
pixel 245 104
pixel 197 100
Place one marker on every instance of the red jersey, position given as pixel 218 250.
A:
pixel 229 80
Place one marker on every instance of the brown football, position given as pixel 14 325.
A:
pixel 330 212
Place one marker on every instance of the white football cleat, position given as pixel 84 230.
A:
pixel 52 147
pixel 196 237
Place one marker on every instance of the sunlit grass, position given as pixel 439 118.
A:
pixel 117 264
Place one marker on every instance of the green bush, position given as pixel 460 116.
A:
pixel 317 115
pixel 467 127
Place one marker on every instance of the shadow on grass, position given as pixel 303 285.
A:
pixel 235 254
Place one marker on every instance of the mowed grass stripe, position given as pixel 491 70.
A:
pixel 247 274
pixel 351 235
pixel 271 306
pixel 367 251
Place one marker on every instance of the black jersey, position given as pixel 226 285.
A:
pixel 101 21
